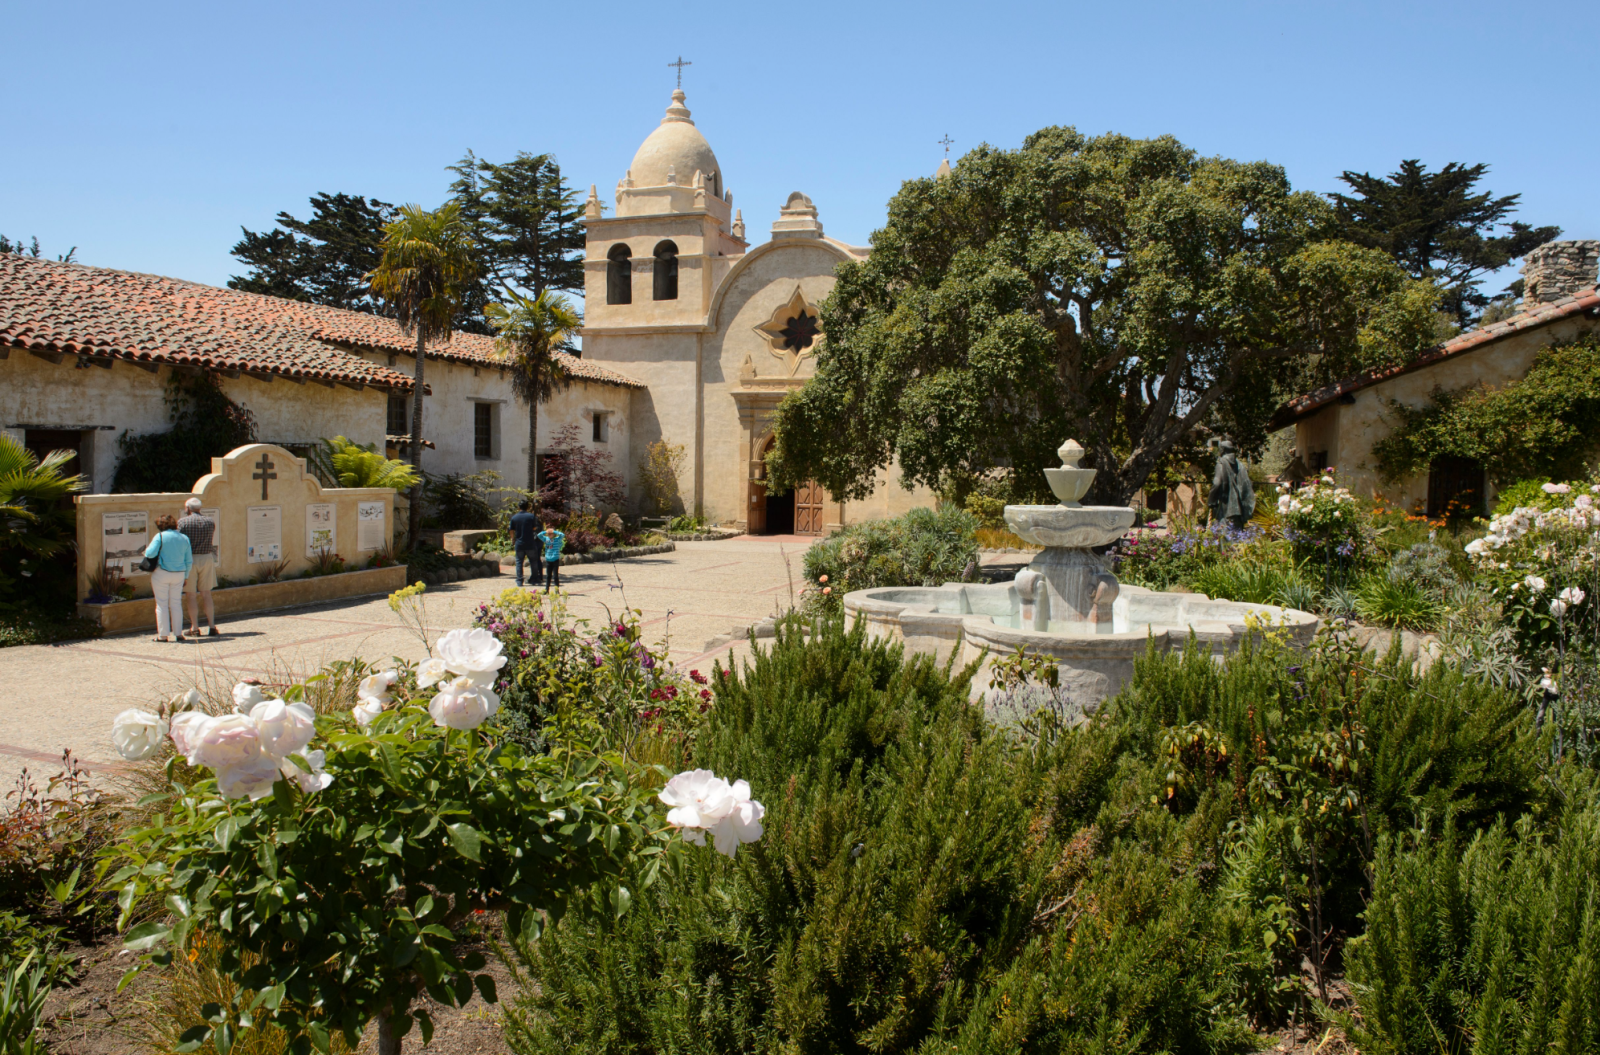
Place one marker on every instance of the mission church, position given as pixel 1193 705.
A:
pixel 718 332
pixel 691 337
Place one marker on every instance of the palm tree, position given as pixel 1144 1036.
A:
pixel 33 518
pixel 426 270
pixel 532 330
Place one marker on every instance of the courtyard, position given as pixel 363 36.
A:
pixel 687 597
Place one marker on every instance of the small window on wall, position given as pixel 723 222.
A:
pixel 666 271
pixel 619 275
pixel 1319 461
pixel 398 406
pixel 600 433
pixel 483 430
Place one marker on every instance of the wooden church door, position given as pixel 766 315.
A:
pixel 809 499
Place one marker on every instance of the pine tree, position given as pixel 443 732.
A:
pixel 524 218
pixel 1436 227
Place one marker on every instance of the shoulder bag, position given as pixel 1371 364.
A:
pixel 152 563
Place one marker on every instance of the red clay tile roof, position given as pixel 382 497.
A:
pixel 100 313
pixel 372 331
pixel 1542 315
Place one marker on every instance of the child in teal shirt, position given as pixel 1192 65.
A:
pixel 552 542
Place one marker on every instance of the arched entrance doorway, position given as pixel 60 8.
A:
pixel 797 512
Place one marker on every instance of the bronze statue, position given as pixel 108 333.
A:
pixel 1232 497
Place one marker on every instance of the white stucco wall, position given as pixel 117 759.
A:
pixel 1347 432
pixel 448 419
pixel 126 398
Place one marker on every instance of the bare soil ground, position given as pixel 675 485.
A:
pixel 92 1018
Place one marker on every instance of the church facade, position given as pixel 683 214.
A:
pixel 717 330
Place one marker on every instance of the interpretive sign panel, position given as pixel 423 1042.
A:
pixel 370 521
pixel 264 534
pixel 125 537
pixel 322 529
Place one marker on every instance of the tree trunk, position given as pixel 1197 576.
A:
pixel 416 457
pixel 533 433
pixel 388 1043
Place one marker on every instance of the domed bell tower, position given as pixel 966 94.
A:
pixel 651 264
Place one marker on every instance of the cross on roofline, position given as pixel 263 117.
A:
pixel 680 64
pixel 945 142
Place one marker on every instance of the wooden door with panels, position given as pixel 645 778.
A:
pixel 809 499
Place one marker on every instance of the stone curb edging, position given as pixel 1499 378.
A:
pixel 702 536
pixel 605 556
pixel 443 576
pixel 766 628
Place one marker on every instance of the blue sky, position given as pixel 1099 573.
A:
pixel 146 135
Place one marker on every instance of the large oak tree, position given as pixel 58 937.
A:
pixel 1118 291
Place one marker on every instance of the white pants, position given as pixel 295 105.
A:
pixel 168 588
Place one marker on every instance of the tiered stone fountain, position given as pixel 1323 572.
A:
pixel 1066 604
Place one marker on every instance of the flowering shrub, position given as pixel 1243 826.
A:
pixel 1543 565
pixel 1161 562
pixel 604 681
pixel 1322 518
pixel 337 877
pixel 921 548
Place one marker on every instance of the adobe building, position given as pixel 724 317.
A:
pixel 86 352
pixel 717 331
pixel 1339 425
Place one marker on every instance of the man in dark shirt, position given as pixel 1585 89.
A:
pixel 524 536
pixel 201 533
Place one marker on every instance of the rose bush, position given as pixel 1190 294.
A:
pixel 1543 566
pixel 343 873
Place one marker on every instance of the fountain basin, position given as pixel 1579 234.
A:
pixel 1069 527
pixel 979 622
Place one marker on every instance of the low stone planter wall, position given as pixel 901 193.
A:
pixel 606 556
pixel 140 613
pixel 711 535
pixel 483 568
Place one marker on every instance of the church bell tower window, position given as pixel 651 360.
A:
pixel 666 271
pixel 619 275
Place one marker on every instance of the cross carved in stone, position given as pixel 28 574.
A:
pixel 264 473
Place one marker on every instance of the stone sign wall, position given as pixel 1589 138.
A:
pixel 272 518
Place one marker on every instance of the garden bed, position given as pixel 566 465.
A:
pixel 602 556
pixel 140 613
pixel 708 535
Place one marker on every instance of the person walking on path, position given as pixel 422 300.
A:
pixel 552 541
pixel 170 548
pixel 525 537
pixel 202 535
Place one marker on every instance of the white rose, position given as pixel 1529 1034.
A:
pixel 703 802
pixel 474 654
pixel 1475 547
pixel 366 712
pixel 182 729
pixel 1534 583
pixel 1558 608
pixel 430 672
pixel 186 701
pixel 137 734
pixel 1555 489
pixel 246 696
pixel 230 746
pixel 376 686
pixel 1583 501
pixel 315 780
pixel 462 705
pixel 286 728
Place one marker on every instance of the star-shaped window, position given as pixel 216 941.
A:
pixel 799 332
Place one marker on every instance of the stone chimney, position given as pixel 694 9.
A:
pixel 1558 269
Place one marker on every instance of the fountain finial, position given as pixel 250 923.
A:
pixel 1069 482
